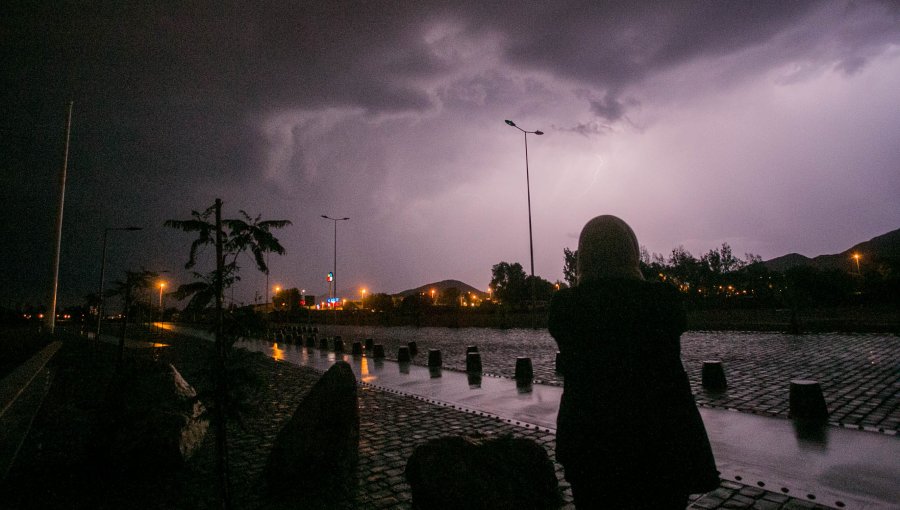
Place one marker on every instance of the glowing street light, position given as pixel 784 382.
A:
pixel 530 236
pixel 162 285
pixel 856 257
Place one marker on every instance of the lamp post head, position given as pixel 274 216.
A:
pixel 510 123
pixel 538 132
pixel 326 217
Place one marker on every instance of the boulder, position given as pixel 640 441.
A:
pixel 482 473
pixel 154 421
pixel 313 461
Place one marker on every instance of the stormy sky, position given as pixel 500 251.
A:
pixel 772 126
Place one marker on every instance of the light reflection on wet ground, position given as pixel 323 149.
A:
pixel 859 373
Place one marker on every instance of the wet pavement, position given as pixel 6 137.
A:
pixel 765 462
pixel 859 373
pixel 831 465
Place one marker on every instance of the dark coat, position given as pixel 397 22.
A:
pixel 627 413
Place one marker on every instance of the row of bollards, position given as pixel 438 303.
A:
pixel 806 400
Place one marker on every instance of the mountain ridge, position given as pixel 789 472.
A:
pixel 879 247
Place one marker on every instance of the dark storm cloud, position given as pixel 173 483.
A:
pixel 608 108
pixel 173 97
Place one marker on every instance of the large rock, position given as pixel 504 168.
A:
pixel 155 421
pixel 313 461
pixel 482 473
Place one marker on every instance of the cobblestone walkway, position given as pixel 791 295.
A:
pixel 859 373
pixel 391 426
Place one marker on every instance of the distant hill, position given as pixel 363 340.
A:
pixel 880 247
pixel 441 286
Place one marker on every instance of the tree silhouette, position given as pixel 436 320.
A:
pixel 509 283
pixel 231 238
pixel 570 266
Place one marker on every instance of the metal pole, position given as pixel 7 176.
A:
pixel 220 389
pixel 530 236
pixel 334 265
pixel 103 273
pixel 100 291
pixel 334 286
pixel 51 320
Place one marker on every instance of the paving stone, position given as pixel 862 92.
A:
pixel 797 504
pixel 762 504
pixel 738 501
pixel 752 492
pixel 708 502
pixel 775 497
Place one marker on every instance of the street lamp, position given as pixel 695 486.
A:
pixel 162 313
pixel 530 237
pixel 334 269
pixel 103 273
pixel 856 257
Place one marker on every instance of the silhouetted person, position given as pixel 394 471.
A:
pixel 628 432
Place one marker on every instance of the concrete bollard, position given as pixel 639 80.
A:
pixel 473 362
pixel 807 401
pixel 378 351
pixel 413 348
pixel 559 362
pixel 369 344
pixel 474 380
pixel 434 358
pixel 323 343
pixel 356 349
pixel 338 344
pixel 713 376
pixel 403 355
pixel 471 348
pixel 524 370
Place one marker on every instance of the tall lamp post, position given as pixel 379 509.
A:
pixel 856 257
pixel 530 237
pixel 334 269
pixel 103 273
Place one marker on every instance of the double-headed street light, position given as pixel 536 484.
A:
pixel 530 237
pixel 103 273
pixel 334 269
